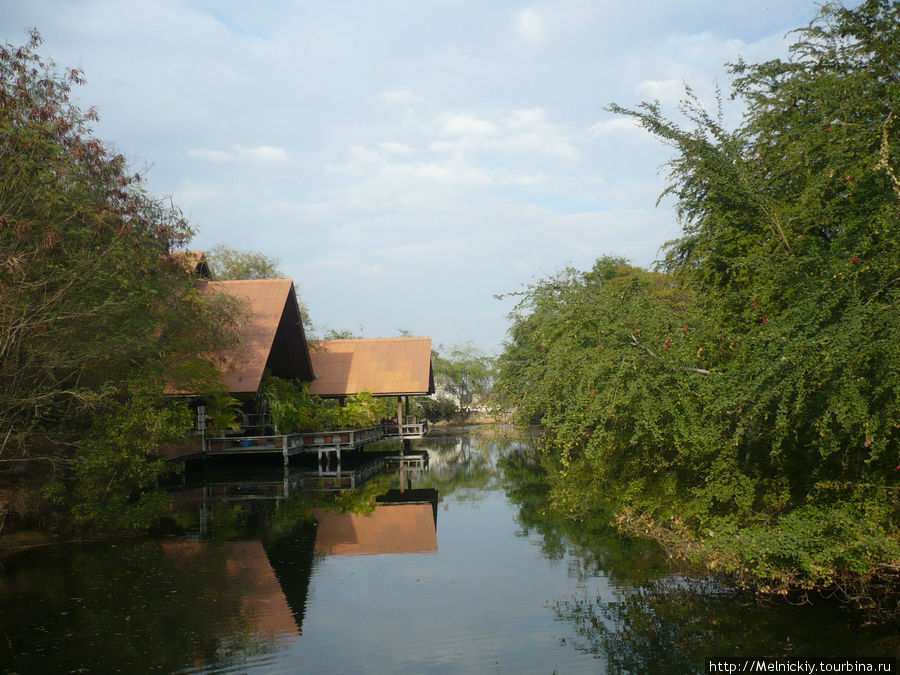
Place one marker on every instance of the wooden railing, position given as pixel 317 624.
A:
pixel 308 442
pixel 414 430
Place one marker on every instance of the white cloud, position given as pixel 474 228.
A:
pixel 615 126
pixel 465 125
pixel 475 140
pixel 394 148
pixel 530 25
pixel 668 92
pixel 403 97
pixel 239 153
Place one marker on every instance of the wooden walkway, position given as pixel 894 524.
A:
pixel 325 444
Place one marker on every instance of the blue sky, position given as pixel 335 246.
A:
pixel 405 161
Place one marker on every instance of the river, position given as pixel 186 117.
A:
pixel 457 566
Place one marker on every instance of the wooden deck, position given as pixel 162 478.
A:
pixel 326 445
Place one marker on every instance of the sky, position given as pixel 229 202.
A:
pixel 406 161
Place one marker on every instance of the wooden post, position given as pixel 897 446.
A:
pixel 400 416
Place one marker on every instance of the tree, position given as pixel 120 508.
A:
pixel 227 264
pixel 465 375
pixel 93 303
pixel 792 241
pixel 742 404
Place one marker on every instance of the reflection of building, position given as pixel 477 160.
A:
pixel 400 523
pixel 247 575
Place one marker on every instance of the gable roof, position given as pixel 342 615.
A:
pixel 383 366
pixel 272 337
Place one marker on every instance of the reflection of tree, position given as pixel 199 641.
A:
pixel 657 622
pixel 462 464
pixel 677 625
pixel 591 545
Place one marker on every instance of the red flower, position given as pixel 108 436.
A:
pixel 828 128
pixel 593 392
pixel 668 342
pixel 599 346
pixel 684 329
pixel 765 320
pixel 854 259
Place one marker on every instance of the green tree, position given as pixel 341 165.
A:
pixel 228 264
pixel 792 242
pixel 91 295
pixel 742 405
pixel 465 374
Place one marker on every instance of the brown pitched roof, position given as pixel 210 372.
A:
pixel 273 336
pixel 383 366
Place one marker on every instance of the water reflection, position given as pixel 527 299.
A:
pixel 246 574
pixel 274 571
pixel 654 618
pixel 402 522
pixel 228 587
pixel 677 624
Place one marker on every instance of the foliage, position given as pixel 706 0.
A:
pixel 230 264
pixel 290 405
pixel 438 408
pixel 340 334
pixel 227 264
pixel 744 401
pixel 118 460
pixel 465 374
pixel 292 408
pixel 91 288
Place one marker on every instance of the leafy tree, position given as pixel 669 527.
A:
pixel 230 264
pixel 742 404
pixel 91 295
pixel 438 408
pixel 227 264
pixel 465 374
pixel 792 242
pixel 340 334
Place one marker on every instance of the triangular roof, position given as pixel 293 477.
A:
pixel 272 337
pixel 383 366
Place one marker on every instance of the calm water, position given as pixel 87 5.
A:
pixel 457 567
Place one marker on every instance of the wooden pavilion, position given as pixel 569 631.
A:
pixel 399 366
